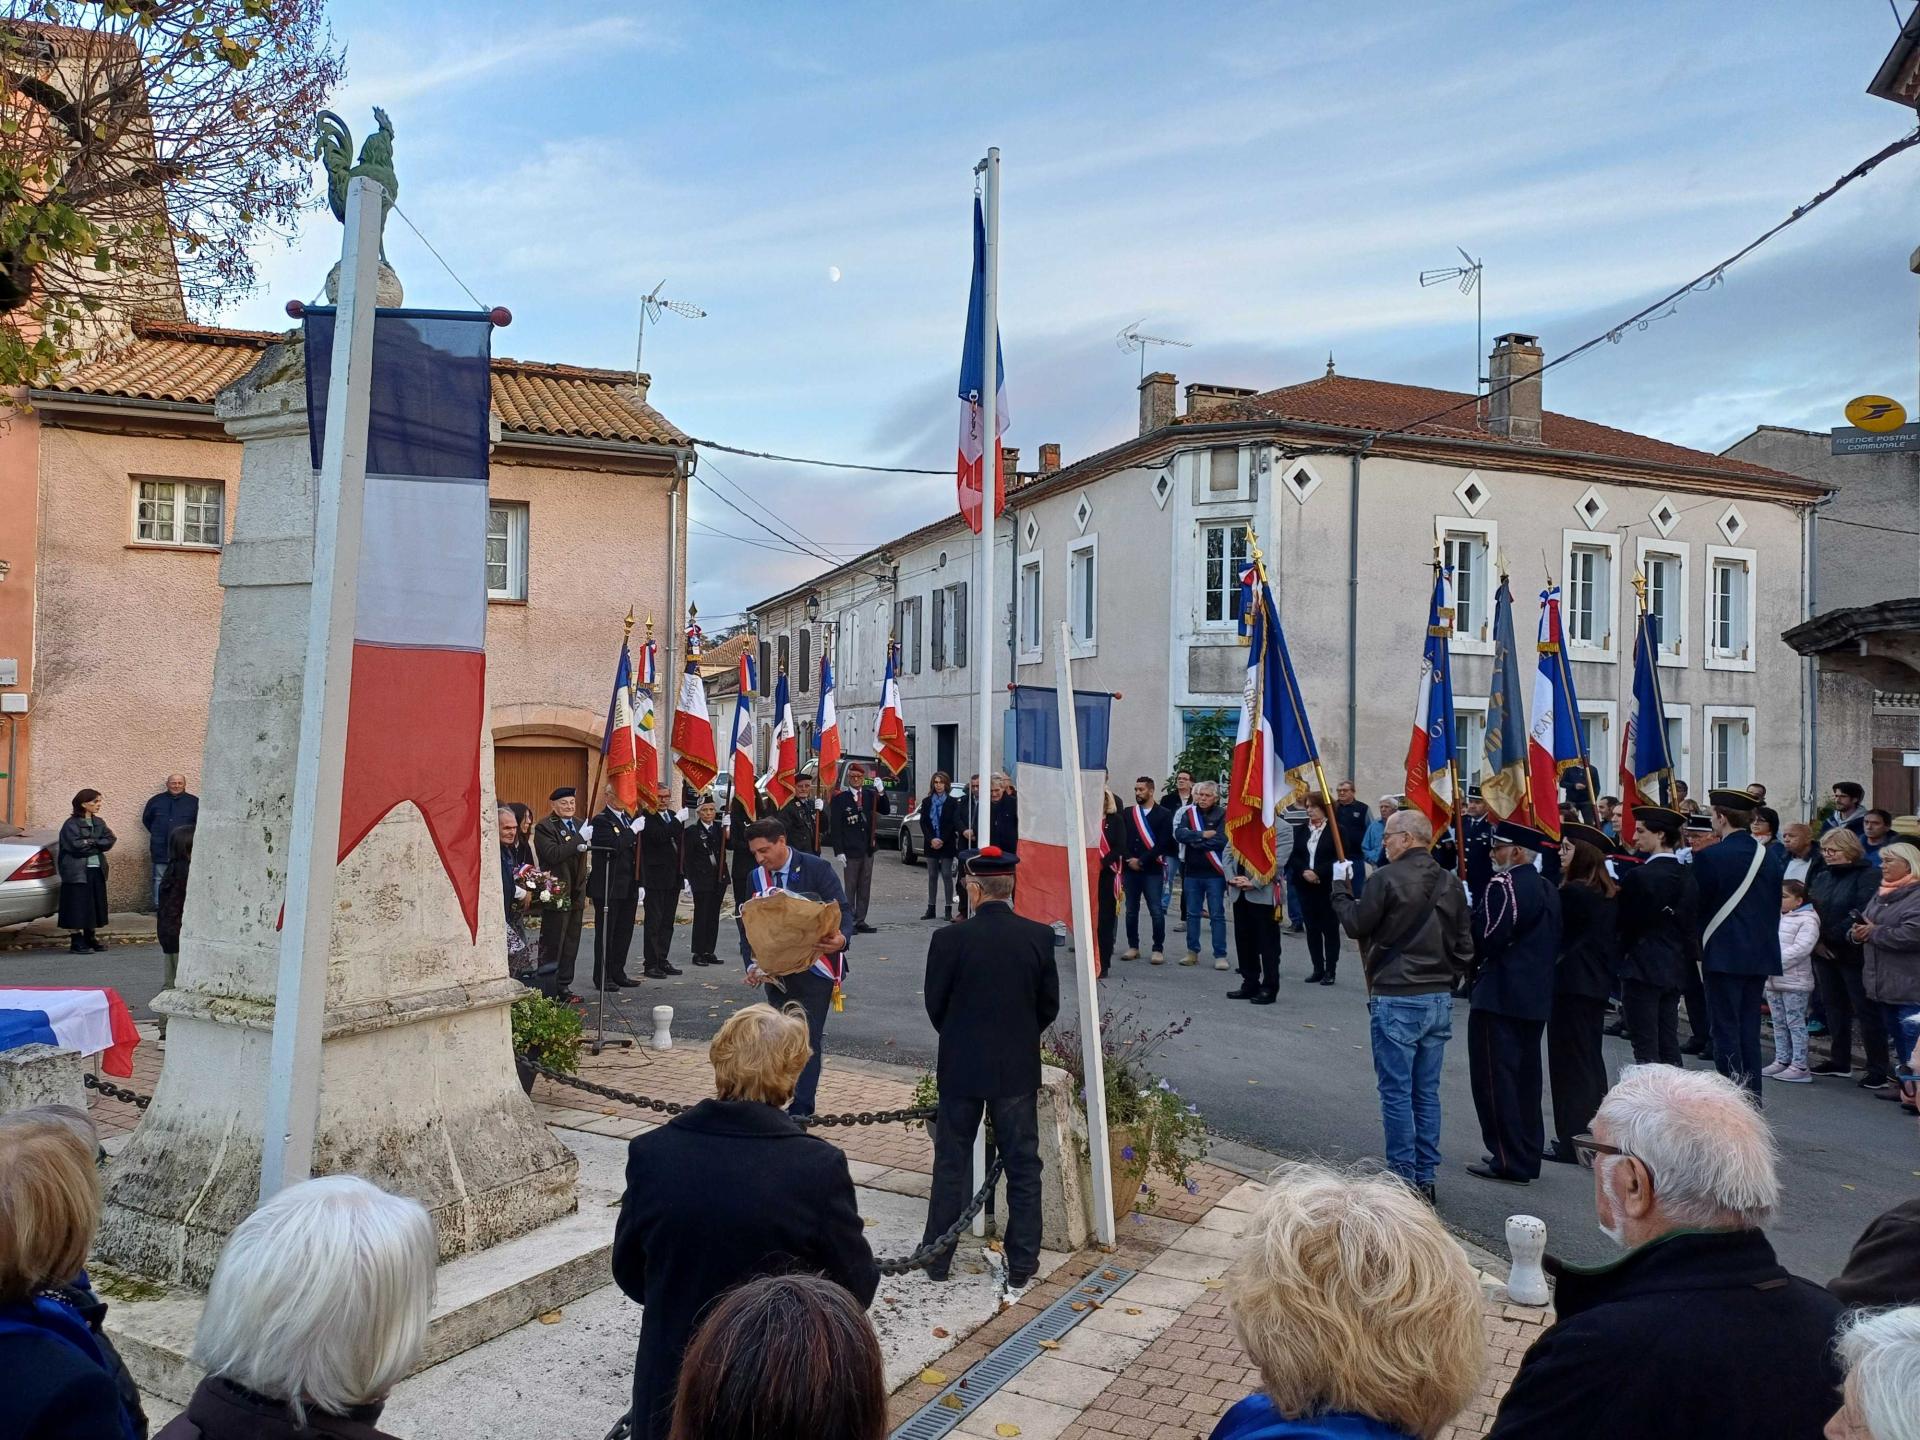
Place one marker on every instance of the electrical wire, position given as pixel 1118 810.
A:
pixel 757 521
pixel 700 527
pixel 478 305
pixel 803 460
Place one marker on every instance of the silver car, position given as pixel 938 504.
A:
pixel 29 880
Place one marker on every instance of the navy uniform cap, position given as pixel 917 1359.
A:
pixel 1736 802
pixel 990 860
pixel 1473 793
pixel 1511 832
pixel 1592 835
pixel 1700 824
pixel 565 792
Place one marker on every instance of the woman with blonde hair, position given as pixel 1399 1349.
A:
pixel 728 1191
pixel 1359 1309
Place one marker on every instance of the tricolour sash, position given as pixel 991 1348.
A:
pixel 1192 817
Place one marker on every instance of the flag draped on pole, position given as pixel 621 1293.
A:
pixel 1646 766
pixel 741 745
pixel 826 730
pixel 646 754
pixel 786 746
pixel 418 698
pixel 1503 783
pixel 619 742
pixel 1430 747
pixel 1274 749
pixel 889 729
pixel 1045 891
pixel 976 463
pixel 693 744
pixel 1553 741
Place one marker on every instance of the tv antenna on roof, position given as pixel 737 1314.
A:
pixel 1469 277
pixel 1130 339
pixel 651 307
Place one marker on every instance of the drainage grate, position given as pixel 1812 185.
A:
pixel 1012 1355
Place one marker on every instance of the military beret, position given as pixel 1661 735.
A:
pixel 565 792
pixel 990 860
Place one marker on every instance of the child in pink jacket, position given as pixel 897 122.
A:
pixel 1790 992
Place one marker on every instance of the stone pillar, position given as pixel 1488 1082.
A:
pixel 1065 1186
pixel 41 1075
pixel 417 1086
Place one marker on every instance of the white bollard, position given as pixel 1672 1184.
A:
pixel 1526 1244
pixel 663 1027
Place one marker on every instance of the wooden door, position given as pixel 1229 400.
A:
pixel 528 774
pixel 1894 782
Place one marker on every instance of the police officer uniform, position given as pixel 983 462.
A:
pixel 802 819
pixel 660 880
pixel 614 885
pixel 851 823
pixel 1582 981
pixel 1516 926
pixel 561 850
pixel 703 860
pixel 991 989
pixel 1739 881
pixel 1659 941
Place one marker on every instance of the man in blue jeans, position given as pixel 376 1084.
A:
pixel 1200 830
pixel 1416 941
pixel 1149 840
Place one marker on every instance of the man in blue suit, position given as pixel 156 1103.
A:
pixel 1739 880
pixel 778 866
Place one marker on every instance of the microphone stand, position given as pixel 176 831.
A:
pixel 601 911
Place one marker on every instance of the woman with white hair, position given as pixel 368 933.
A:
pixel 1890 932
pixel 1360 1311
pixel 1881 1397
pixel 318 1308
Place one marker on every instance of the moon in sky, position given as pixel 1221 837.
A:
pixel 833 273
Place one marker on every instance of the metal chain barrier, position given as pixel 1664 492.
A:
pixel 670 1107
pixel 113 1091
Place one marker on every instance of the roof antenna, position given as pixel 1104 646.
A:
pixel 1469 277
pixel 651 306
pixel 1131 339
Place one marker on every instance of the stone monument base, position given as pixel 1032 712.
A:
pixel 41 1075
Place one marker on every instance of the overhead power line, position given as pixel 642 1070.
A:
pixel 823 464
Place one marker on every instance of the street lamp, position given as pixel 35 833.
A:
pixel 813 608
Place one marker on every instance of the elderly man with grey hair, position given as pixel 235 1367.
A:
pixel 1697 1329
pixel 1416 942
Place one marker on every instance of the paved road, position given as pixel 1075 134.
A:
pixel 1293 1079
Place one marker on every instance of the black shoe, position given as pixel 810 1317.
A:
pixel 1326 979
pixel 1265 997
pixel 1831 1069
pixel 929 913
pixel 1494 1172
pixel 77 946
pixel 1428 1194
pixel 1014 1282
pixel 1296 930
pixel 625 982
pixel 939 1277
pixel 96 947
pixel 656 972
pixel 1695 1046
pixel 1871 1081
pixel 1315 978
pixel 1560 1154
pixel 865 929
pixel 1245 992
pixel 944 914
pixel 1617 1028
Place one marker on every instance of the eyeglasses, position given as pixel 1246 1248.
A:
pixel 1589 1150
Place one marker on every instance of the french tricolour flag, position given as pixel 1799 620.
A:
pixel 744 782
pixel 420 618
pixel 646 752
pixel 786 745
pixel 975 464
pixel 1430 772
pixel 90 1020
pixel 1274 749
pixel 693 752
pixel 1553 740
pixel 619 742
pixel 826 730
pixel 889 730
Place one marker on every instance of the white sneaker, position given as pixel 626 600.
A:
pixel 1133 954
pixel 1221 963
pixel 1774 1069
pixel 1794 1075
pixel 1156 959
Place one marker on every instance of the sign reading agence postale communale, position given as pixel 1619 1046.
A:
pixel 1849 441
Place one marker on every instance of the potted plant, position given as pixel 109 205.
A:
pixel 547 1032
pixel 1153 1133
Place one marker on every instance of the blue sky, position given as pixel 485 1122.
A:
pixel 1263 181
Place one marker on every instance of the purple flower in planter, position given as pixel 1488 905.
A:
pixel 1126 1152
pixel 1143 1187
pixel 1193 1187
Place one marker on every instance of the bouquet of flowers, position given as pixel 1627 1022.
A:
pixel 540 889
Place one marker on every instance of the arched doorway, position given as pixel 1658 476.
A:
pixel 534 755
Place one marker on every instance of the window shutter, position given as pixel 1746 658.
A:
pixel 806 658
pixel 960 625
pixel 915 626
pixel 766 660
pixel 781 655
pixel 940 629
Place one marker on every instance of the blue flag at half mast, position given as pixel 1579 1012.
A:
pixel 1275 749
pixel 1504 781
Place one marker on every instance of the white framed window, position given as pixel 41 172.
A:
pixel 1469 738
pixel 179 512
pixel 1591 564
pixel 1029 608
pixel 506 551
pixel 1083 594
pixel 1680 741
pixel 1223 558
pixel 1222 474
pixel 1729 736
pixel 1664 564
pixel 1730 593
pixel 1599 732
pixel 1470 547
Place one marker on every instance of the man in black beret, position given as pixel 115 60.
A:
pixel 561 850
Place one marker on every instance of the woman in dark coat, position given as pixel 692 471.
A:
pixel 1113 850
pixel 730 1190
pixel 942 819
pixel 84 842
pixel 1841 891
pixel 1582 981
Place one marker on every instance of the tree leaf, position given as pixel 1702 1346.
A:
pixel 1007 1428
pixel 933 1377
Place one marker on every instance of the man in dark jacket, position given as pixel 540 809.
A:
pixel 1351 816
pixel 1516 927
pixel 1149 832
pixel 1200 830
pixel 614 885
pixel 742 811
pixel 1697 1330
pixel 703 861
pixel 660 891
pixel 851 826
pixel 1658 936
pixel 1739 881
pixel 991 990
pixel 164 813
pixel 730 1190
pixel 1416 942
pixel 801 817
pixel 561 850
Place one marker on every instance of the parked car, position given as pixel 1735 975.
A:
pixel 29 880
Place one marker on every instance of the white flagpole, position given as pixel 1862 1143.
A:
pixel 984 645
pixel 292 1114
pixel 1086 948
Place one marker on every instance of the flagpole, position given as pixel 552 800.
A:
pixel 291 1117
pixel 606 740
pixel 1573 707
pixel 1319 773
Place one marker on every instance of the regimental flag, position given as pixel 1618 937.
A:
pixel 786 746
pixel 618 742
pixel 826 732
pixel 975 462
pixel 693 747
pixel 1274 750
pixel 1430 748
pixel 1504 778
pixel 889 730
pixel 418 693
pixel 1553 740
pixel 1646 765
pixel 741 746
pixel 646 753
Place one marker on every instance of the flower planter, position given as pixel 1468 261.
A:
pixel 1127 1151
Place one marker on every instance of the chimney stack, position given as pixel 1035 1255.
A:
pixel 1513 407
pixel 1156 401
pixel 1049 457
pixel 1207 399
pixel 1010 465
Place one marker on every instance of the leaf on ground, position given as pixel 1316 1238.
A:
pixel 933 1377
pixel 1006 1427
pixel 863 1219
pixel 953 1402
pixel 996 1247
pixel 1308 1025
pixel 1133 1310
pixel 1846 1187
pixel 1089 1289
pixel 1215 1284
pixel 1078 1306
pixel 550 1317
pixel 1048 1344
pixel 1109 1274
pixel 1253 1082
pixel 940 1332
